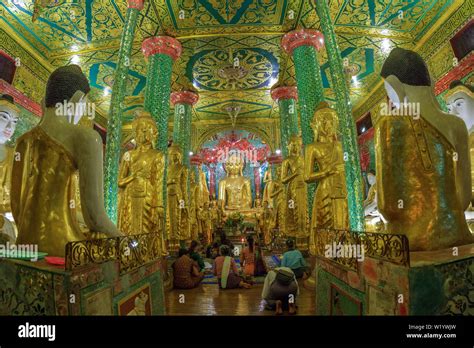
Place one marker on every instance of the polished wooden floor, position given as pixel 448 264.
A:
pixel 207 299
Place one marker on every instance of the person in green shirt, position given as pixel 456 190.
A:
pixel 195 254
pixel 294 259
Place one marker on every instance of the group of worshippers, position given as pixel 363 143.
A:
pixel 280 287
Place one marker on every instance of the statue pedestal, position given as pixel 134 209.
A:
pixel 431 283
pixel 37 288
pixel 100 284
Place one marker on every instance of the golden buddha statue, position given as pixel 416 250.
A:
pixel 279 203
pixel 205 219
pixel 460 102
pixel 9 114
pixel 268 190
pixel 48 157
pixel 194 201
pixel 373 220
pixel 214 209
pixel 296 210
pixel 330 199
pixel 178 224
pixel 140 208
pixel 234 190
pixel 204 191
pixel 422 160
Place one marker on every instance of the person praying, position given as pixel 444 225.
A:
pixel 225 269
pixel 186 273
pixel 294 260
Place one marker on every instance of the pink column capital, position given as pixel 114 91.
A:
pixel 184 97
pixel 284 92
pixel 162 44
pixel 302 37
pixel 136 4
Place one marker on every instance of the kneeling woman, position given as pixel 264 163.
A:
pixel 226 271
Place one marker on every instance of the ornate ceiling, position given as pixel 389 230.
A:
pixel 213 32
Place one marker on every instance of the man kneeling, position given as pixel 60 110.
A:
pixel 280 290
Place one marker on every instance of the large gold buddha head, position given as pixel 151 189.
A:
pixel 460 102
pixel 294 145
pixel 324 123
pixel 144 129
pixel 174 154
pixel 9 114
pixel 234 165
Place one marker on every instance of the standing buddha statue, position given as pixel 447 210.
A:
pixel 49 156
pixel 422 160
pixel 268 190
pixel 140 208
pixel 9 114
pixel 178 224
pixel 296 210
pixel 194 192
pixel 330 199
pixel 279 202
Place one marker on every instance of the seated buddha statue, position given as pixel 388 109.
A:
pixel 141 173
pixel 48 157
pixel 422 160
pixel 234 190
pixel 330 199
pixel 9 114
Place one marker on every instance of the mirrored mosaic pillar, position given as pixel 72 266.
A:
pixel 114 124
pixel 347 125
pixel 286 96
pixel 183 107
pixel 304 45
pixel 161 52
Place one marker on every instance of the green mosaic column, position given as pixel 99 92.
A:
pixel 286 96
pixel 347 126
pixel 160 51
pixel 183 103
pixel 114 124
pixel 303 44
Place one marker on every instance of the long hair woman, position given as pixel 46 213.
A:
pixel 247 258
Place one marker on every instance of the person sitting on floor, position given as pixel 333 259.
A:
pixel 186 273
pixel 280 290
pixel 225 269
pixel 294 259
pixel 195 254
pixel 247 258
pixel 212 251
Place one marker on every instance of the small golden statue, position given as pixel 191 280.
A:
pixel 205 219
pixel 194 223
pixel 203 190
pixel 48 157
pixel 296 217
pixel 178 224
pixel 140 208
pixel 422 160
pixel 234 190
pixel 268 190
pixel 330 199
pixel 279 202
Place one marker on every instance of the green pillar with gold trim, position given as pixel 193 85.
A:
pixel 347 125
pixel 286 97
pixel 183 107
pixel 114 124
pixel 161 52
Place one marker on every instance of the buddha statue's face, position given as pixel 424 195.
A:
pixel 371 179
pixel 462 105
pixel 175 156
pixel 234 165
pixel 8 120
pixel 294 147
pixel 324 124
pixel 145 133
